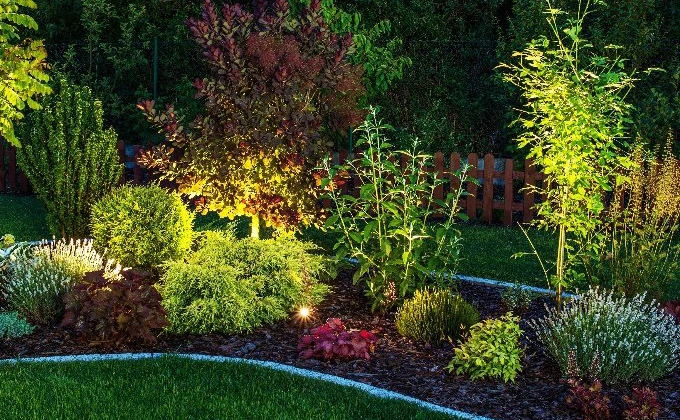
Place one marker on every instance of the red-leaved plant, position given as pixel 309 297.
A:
pixel 111 309
pixel 333 340
pixel 643 405
pixel 279 85
pixel 673 308
pixel 589 400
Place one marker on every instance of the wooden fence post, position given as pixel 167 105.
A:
pixel 508 196
pixel 439 174
pixel 529 181
pixel 137 170
pixel 473 161
pixel 487 203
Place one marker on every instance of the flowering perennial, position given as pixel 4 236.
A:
pixel 610 338
pixel 36 277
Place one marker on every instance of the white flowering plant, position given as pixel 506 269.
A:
pixel 610 338
pixel 35 277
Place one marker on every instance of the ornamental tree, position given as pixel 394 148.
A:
pixel 22 65
pixel 278 86
pixel 574 122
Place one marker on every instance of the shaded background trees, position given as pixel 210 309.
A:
pixel 451 94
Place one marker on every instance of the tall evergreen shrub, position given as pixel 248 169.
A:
pixel 69 158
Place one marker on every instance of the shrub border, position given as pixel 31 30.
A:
pixel 371 390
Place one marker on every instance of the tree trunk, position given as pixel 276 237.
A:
pixel 255 227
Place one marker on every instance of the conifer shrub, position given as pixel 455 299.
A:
pixel 68 156
pixel 231 285
pixel 142 227
pixel 433 315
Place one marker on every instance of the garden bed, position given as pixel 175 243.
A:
pixel 397 364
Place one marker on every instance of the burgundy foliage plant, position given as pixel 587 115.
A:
pixel 113 309
pixel 642 405
pixel 333 341
pixel 589 400
pixel 279 86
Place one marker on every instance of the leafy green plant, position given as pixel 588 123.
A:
pixel 22 66
pixel 433 315
pixel 389 227
pixel 575 115
pixel 142 227
pixel 279 84
pixel 592 335
pixel 36 277
pixel 232 285
pixel 69 158
pixel 516 299
pixel 491 351
pixel 12 326
pixel 115 307
pixel 7 240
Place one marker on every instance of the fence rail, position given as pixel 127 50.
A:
pixel 500 197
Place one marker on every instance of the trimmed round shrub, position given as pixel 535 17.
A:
pixel 615 339
pixel 142 227
pixel 435 315
pixel 231 285
pixel 36 277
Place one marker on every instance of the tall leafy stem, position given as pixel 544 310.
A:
pixel 390 227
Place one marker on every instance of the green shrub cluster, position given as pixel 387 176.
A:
pixel 516 299
pixel 68 156
pixel 34 278
pixel 142 226
pixel 435 315
pixel 12 326
pixel 491 351
pixel 231 285
pixel 614 339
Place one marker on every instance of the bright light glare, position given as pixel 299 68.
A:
pixel 304 312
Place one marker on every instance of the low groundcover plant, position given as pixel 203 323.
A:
pixel 626 339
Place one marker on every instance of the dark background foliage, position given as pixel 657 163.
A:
pixel 451 96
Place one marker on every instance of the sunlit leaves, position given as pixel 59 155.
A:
pixel 22 65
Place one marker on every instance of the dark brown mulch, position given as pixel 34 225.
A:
pixel 397 364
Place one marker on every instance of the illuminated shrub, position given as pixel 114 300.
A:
pixel 435 315
pixel 279 85
pixel 142 226
pixel 232 285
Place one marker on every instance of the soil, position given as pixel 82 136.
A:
pixel 397 364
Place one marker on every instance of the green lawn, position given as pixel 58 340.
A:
pixel 487 250
pixel 174 388
pixel 23 217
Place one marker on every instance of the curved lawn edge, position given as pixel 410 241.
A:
pixel 369 389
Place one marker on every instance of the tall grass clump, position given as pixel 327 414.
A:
pixel 611 338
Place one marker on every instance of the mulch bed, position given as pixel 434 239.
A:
pixel 397 364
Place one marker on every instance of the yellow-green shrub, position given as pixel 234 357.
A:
pixel 435 315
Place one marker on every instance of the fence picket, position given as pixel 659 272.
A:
pixel 508 196
pixel 487 191
pixel 473 161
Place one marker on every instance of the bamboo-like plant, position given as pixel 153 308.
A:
pixel 574 121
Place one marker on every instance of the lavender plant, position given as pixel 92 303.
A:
pixel 615 339
pixel 35 278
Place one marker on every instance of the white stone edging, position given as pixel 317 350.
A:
pixel 369 389
pixel 499 283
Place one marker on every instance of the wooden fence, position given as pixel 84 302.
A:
pixel 500 197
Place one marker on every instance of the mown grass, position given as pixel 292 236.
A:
pixel 23 217
pixel 175 388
